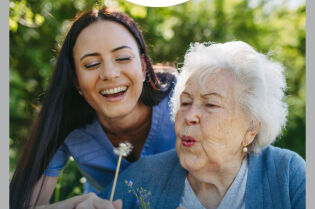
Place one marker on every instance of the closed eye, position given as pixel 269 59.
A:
pixel 123 59
pixel 92 65
pixel 185 104
pixel 212 105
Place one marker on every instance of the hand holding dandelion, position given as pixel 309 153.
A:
pixel 123 150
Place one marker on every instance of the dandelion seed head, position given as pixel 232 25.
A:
pixel 123 149
pixel 82 180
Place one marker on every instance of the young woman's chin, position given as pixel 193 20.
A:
pixel 118 110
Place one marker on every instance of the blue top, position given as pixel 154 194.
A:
pixel 93 152
pixel 276 179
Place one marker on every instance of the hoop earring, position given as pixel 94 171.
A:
pixel 80 92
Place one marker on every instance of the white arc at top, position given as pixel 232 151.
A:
pixel 157 3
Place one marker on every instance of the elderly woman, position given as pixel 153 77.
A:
pixel 228 109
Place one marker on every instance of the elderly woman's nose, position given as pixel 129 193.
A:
pixel 109 72
pixel 192 116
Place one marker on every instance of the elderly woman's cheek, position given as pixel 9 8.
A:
pixel 216 137
pixel 178 143
pixel 192 159
pixel 179 123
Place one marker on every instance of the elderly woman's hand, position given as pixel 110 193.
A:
pixel 87 201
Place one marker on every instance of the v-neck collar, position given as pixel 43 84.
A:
pixel 146 150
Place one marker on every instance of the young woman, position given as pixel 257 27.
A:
pixel 103 92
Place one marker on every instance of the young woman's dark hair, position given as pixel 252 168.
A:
pixel 64 110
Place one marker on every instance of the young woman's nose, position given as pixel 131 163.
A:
pixel 192 116
pixel 109 71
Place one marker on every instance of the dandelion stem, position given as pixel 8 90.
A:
pixel 115 179
pixel 58 187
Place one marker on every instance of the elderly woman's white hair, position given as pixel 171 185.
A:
pixel 262 80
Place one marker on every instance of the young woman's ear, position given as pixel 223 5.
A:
pixel 76 84
pixel 78 89
pixel 144 66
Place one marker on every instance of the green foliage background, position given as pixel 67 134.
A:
pixel 37 28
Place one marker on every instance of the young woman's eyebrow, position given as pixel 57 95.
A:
pixel 120 47
pixel 97 54
pixel 89 55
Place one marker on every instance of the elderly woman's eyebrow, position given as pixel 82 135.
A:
pixel 185 93
pixel 211 94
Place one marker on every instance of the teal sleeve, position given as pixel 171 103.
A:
pixel 297 182
pixel 58 162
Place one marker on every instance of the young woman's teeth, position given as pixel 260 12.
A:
pixel 114 90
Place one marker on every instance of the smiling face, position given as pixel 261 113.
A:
pixel 210 125
pixel 109 69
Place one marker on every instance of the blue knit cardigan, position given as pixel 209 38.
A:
pixel 276 180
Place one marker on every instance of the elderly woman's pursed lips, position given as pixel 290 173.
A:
pixel 188 141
